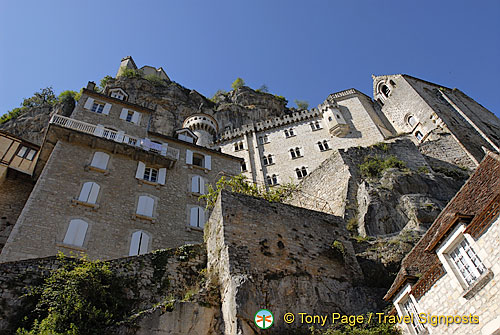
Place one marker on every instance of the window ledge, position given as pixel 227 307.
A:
pixel 326 150
pixel 85 204
pixel 478 285
pixel 268 164
pixel 192 166
pixel 147 182
pixel 290 136
pixel 193 228
pixel 316 129
pixel 93 168
pixel 136 216
pixel 297 157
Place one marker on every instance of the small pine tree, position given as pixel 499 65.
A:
pixel 237 83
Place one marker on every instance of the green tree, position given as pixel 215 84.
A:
pixel 104 81
pixel 263 88
pixel 46 96
pixel 301 104
pixel 237 83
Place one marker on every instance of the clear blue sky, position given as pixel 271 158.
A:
pixel 299 49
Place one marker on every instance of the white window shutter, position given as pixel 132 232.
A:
pixel 88 103
pixel 189 157
pixel 149 206
pixel 22 151
pixel 75 235
pixel 94 192
pixel 85 192
pixel 140 170
pixel 106 109
pixel 208 162
pixel 145 206
pixel 100 160
pixel 194 184
pixel 136 117
pixel 202 185
pixel 193 220
pixel 134 243
pixel 143 249
pixel 201 217
pixel 123 114
pixel 162 174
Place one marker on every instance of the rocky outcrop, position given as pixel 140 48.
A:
pixel 31 125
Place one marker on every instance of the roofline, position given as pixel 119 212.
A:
pixel 123 102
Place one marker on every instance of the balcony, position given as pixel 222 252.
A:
pixel 116 136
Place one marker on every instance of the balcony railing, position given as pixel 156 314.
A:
pixel 117 136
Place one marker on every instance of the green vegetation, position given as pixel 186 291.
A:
pixel 338 247
pixel 237 83
pixel 45 97
pixel 352 225
pixel 104 81
pixel 214 97
pixel 382 146
pixel 423 169
pixel 155 80
pixel 263 88
pixel 80 297
pixel 69 95
pixel 301 104
pixel 374 165
pixel 130 73
pixel 239 184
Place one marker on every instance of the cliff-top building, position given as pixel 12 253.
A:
pixel 121 173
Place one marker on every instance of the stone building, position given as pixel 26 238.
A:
pixel 453 270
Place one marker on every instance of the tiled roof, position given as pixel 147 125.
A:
pixel 478 198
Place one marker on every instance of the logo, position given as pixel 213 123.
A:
pixel 264 319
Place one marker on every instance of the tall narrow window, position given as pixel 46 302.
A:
pixel 238 146
pixel 145 206
pixel 315 125
pixel 272 180
pixel 198 185
pixel 325 145
pixel 292 153
pixel 467 263
pixel 139 243
pixel 89 192
pixel 197 217
pixel 410 309
pixel 419 135
pixel 100 160
pixel 301 172
pixel 297 152
pixel 321 147
pixel 268 160
pixel 243 166
pixel 75 235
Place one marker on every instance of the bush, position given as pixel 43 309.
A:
pixel 237 83
pixel 80 297
pixel 130 73
pixel 374 165
pixel 45 97
pixel 155 80
pixel 263 88
pixel 104 81
pixel 301 104
pixel 423 169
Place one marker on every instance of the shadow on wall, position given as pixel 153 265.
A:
pixel 353 132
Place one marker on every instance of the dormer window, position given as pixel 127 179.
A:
pixel 118 93
pixel 186 135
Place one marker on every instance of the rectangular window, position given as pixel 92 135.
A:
pixel 467 262
pixel 26 153
pixel 197 217
pixel 150 174
pixel 315 125
pixel 97 107
pixel 410 309
pixel 130 115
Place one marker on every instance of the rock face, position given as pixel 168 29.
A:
pixel 291 260
pixel 31 125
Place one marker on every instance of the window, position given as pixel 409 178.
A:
pixel 272 180
pixel 323 146
pixel 75 235
pixel 197 159
pixel 409 308
pixel 118 95
pixel 330 119
pixel 145 206
pixel 268 160
pixel 289 132
pixel 198 185
pixel 301 173
pixel 89 192
pixel 419 135
pixel 238 146
pixel 130 116
pixel 26 153
pixel 295 153
pixel 150 174
pixel 139 243
pixel 466 262
pixel 197 217
pixel 411 120
pixel 243 166
pixel 263 139
pixel 97 107
pixel 385 90
pixel 100 160
pixel 315 125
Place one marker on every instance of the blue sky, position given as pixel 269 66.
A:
pixel 300 49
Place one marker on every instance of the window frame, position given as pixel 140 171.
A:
pixel 28 153
pixel 198 210
pixel 99 107
pixel 399 302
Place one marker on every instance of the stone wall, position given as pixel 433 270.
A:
pixel 16 189
pixel 150 280
pixel 291 260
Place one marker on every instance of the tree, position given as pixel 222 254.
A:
pixel 237 83
pixel 263 88
pixel 46 96
pixel 301 104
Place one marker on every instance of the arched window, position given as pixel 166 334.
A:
pixel 292 153
pixel 419 135
pixel 139 243
pixel 100 160
pixel 385 90
pixel 89 192
pixel 325 144
pixel 268 160
pixel 243 166
pixel 198 185
pixel 197 217
pixel 275 179
pixel 297 152
pixel 145 205
pixel 301 173
pixel 75 235
pixel 268 180
pixel 412 121
pixel 321 147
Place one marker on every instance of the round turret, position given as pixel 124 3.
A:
pixel 204 126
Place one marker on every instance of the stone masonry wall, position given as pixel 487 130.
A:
pixel 287 262
pixel 149 279
pixel 445 296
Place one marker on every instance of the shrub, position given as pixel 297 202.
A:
pixel 104 81
pixel 374 165
pixel 80 297
pixel 155 80
pixel 301 104
pixel 130 73
pixel 263 88
pixel 237 83
pixel 423 169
